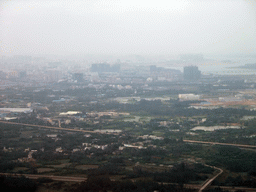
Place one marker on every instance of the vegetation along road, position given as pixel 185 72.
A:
pixel 85 131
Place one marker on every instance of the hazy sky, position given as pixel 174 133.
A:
pixel 127 26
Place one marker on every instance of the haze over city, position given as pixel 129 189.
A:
pixel 39 27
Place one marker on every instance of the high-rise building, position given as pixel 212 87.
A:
pixel 153 68
pixel 22 74
pixel 191 73
pixel 79 77
pixel 53 75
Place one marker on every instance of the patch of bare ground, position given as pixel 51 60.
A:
pixel 85 167
pixel 59 166
pixel 43 170
pixel 17 169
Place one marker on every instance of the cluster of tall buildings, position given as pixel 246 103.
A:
pixel 103 67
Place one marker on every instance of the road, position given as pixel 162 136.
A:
pixel 81 179
pixel 205 185
pixel 216 143
pixel 234 188
pixel 78 130
pixel 59 128
pixel 48 127
pixel 55 178
pixel 208 182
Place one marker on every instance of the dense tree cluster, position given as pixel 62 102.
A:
pixel 103 183
pixel 234 159
pixel 21 184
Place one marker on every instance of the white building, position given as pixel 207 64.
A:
pixel 70 113
pixel 189 97
pixel 16 110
